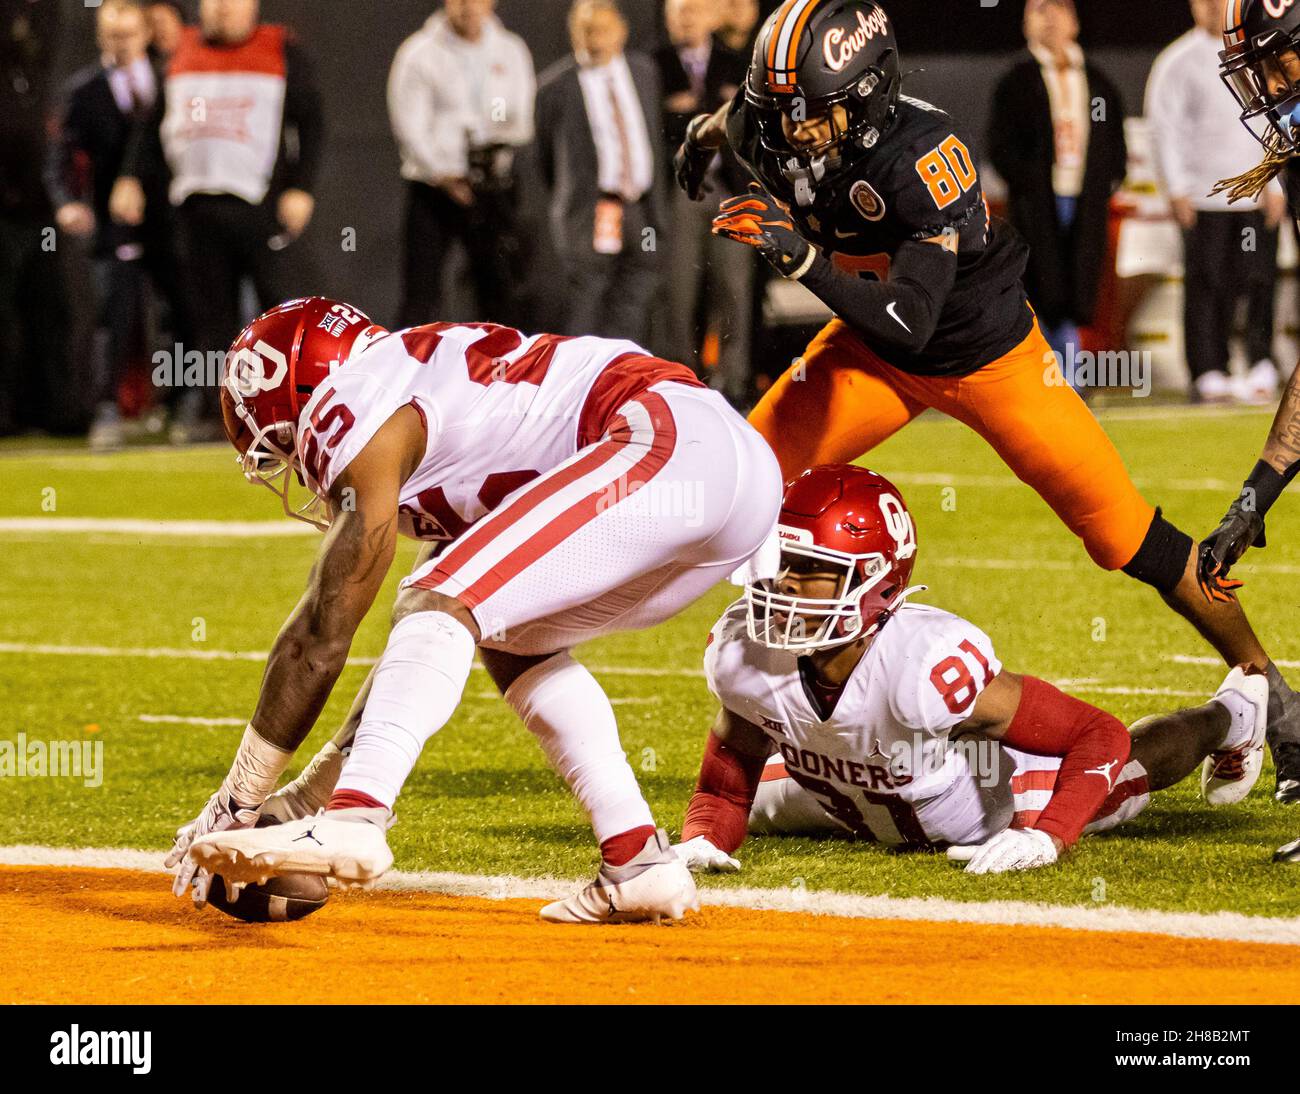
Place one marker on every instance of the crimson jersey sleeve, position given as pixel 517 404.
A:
pixel 938 668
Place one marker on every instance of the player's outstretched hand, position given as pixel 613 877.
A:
pixel 700 857
pixel 1010 849
pixel 221 813
pixel 1240 528
pixel 756 218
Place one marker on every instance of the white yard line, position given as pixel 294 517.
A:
pixel 1220 926
pixel 181 720
pixel 1200 659
pixel 182 653
pixel 224 529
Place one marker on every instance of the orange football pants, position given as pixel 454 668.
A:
pixel 845 400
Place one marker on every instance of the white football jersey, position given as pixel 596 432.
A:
pixel 500 408
pixel 882 764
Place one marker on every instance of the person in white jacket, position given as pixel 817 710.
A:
pixel 460 101
pixel 1229 251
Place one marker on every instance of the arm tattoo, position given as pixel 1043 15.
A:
pixel 1283 446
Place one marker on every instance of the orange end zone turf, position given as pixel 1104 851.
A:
pixel 113 936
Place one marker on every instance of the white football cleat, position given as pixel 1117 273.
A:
pixel 1229 774
pixel 346 844
pixel 652 886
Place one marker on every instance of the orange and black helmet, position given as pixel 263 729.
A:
pixel 1260 63
pixel 813 55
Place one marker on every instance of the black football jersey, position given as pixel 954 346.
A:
pixel 920 180
pixel 1291 184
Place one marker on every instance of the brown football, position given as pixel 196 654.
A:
pixel 293 896
pixel 281 899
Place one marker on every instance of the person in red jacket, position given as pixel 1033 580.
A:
pixel 845 708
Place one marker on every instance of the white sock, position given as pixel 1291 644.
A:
pixel 566 710
pixel 418 685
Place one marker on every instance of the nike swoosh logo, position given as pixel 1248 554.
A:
pixel 844 235
pixel 895 317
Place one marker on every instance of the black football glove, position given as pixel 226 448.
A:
pixel 1240 528
pixel 691 161
pixel 755 218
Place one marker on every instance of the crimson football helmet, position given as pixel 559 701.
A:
pixel 813 55
pixel 855 524
pixel 271 370
pixel 1257 34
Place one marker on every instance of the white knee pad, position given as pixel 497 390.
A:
pixel 417 686
pixel 565 709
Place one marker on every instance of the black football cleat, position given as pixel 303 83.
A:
pixel 1284 736
pixel 1290 853
pixel 1286 756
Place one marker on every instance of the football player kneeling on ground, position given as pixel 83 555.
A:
pixel 848 709
pixel 578 487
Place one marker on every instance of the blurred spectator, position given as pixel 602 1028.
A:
pixel 103 103
pixel 166 21
pixel 460 100
pixel 1057 138
pixel 596 113
pixel 239 124
pixel 737 24
pixel 30 284
pixel 1228 251
pixel 707 277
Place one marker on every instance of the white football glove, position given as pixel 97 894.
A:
pixel 1010 849
pixel 221 813
pixel 700 856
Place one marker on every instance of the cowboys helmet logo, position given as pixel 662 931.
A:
pixel 247 370
pixel 866 201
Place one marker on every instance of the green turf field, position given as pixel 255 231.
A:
pixel 482 800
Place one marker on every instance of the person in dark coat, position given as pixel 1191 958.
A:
pixel 102 104
pixel 1057 137
pixel 601 162
pixel 707 277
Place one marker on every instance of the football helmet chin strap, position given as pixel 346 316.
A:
pixel 839 620
pixel 276 467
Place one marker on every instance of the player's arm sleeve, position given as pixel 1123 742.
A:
pixel 1093 745
pixel 939 673
pixel 353 408
pixel 736 752
pixel 901 313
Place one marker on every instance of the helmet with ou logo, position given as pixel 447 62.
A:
pixel 1258 35
pixel 271 370
pixel 854 524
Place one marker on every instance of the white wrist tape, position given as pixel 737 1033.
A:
pixel 257 768
pixel 804 266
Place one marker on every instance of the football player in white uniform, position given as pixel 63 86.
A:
pixel 577 487
pixel 846 708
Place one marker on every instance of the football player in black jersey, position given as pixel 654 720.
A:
pixel 1261 66
pixel 873 201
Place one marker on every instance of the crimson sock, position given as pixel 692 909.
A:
pixel 621 849
pixel 353 799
